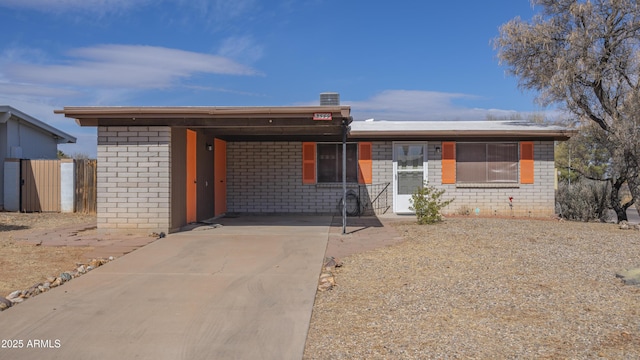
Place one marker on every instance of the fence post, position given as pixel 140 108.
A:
pixel 11 185
pixel 67 185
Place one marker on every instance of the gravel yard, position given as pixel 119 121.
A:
pixel 22 264
pixel 484 288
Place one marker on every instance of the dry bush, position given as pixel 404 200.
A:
pixel 583 200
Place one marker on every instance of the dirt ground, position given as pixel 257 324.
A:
pixel 484 288
pixel 466 288
pixel 22 263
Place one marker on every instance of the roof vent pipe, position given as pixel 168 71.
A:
pixel 329 99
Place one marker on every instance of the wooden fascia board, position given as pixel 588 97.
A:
pixel 200 112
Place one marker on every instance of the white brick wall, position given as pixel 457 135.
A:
pixel 267 177
pixel 537 199
pixel 133 178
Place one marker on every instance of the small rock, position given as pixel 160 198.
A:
pixel 81 269
pixel 95 263
pixel 65 276
pixel 15 294
pixel 56 282
pixel 31 292
pixel 4 303
pixel 325 275
pixel 630 276
pixel 47 285
pixel 17 300
pixel 325 286
pixel 624 225
pixel 111 258
pixel 89 268
pixel 51 279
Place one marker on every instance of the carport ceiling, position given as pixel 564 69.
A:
pixel 227 122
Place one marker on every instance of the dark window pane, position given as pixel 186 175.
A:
pixel 330 163
pixel 502 164
pixel 486 162
pixel 471 164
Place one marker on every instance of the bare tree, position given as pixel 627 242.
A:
pixel 584 55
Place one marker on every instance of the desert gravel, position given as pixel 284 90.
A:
pixel 476 288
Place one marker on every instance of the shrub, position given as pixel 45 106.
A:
pixel 427 203
pixel 583 200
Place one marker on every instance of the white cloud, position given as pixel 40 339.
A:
pixel 420 105
pixel 96 6
pixel 126 66
pixel 219 9
pixel 18 89
pixel 242 48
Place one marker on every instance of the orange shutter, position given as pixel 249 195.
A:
pixel 526 162
pixel 308 163
pixel 449 162
pixel 365 163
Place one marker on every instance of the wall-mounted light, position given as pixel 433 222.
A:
pixel 209 147
pixel 438 150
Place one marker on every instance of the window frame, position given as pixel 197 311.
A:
pixel 338 161
pixel 514 177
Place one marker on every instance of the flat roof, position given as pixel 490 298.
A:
pixel 456 129
pixel 234 123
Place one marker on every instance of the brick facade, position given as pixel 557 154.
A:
pixel 266 177
pixel 133 178
pixel 134 182
pixel 535 200
pixel 279 189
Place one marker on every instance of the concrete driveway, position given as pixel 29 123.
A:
pixel 241 291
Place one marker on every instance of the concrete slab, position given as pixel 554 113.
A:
pixel 241 291
pixel 363 234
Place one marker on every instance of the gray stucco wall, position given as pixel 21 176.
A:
pixel 34 143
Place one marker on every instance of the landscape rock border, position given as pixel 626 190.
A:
pixel 18 296
pixel 327 278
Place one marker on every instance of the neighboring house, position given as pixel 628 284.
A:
pixel 25 137
pixel 160 168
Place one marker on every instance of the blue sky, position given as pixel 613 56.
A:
pixel 403 60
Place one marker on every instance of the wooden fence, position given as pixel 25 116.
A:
pixel 86 191
pixel 40 186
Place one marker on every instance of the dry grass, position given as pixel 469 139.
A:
pixel 485 288
pixel 24 264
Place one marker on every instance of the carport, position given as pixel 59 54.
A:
pixel 161 168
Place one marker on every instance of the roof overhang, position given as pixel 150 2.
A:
pixel 7 112
pixel 230 122
pixel 450 130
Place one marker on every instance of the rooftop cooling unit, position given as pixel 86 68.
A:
pixel 329 99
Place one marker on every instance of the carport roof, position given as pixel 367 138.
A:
pixel 232 122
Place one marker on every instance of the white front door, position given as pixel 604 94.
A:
pixel 409 173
